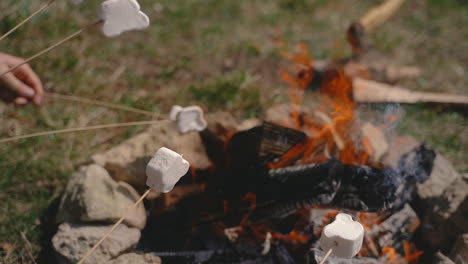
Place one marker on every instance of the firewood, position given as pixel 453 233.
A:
pixel 366 91
pixel 381 72
pixel 378 15
pixel 336 137
pixel 369 22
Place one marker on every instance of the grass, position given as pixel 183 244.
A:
pixel 220 54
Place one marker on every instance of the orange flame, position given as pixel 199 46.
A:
pixel 411 254
pixel 329 130
pixel 390 252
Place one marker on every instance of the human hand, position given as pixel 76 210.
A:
pixel 20 86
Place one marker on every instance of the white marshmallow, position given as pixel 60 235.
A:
pixel 165 169
pixel 122 15
pixel 174 112
pixel 343 235
pixel 188 118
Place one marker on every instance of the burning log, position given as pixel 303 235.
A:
pixel 367 91
pixel 282 191
pixel 371 20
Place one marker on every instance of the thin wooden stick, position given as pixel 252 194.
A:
pixel 79 129
pixel 83 259
pixel 326 256
pixel 42 8
pixel 100 103
pixel 49 48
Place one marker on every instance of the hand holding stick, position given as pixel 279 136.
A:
pixel 50 48
pixel 117 17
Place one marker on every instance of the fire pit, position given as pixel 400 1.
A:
pixel 262 192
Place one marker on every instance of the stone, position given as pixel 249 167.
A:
pixel 459 252
pixel 122 15
pixel 72 242
pixel 92 195
pixel 165 169
pixel 127 161
pixel 134 258
pixel 344 236
pixel 440 258
pixel 442 205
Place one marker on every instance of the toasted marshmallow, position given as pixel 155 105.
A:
pixel 165 169
pixel 122 15
pixel 344 236
pixel 188 118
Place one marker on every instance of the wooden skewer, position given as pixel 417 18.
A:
pixel 50 48
pixel 37 12
pixel 71 130
pixel 83 259
pixel 326 256
pixel 100 103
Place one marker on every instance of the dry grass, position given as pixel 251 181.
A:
pixel 218 53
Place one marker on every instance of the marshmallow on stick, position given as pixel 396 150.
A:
pixel 122 15
pixel 343 237
pixel 188 118
pixel 165 169
pixel 118 16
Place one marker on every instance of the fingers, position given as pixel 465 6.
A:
pixel 14 84
pixel 22 81
pixel 21 101
pixel 32 80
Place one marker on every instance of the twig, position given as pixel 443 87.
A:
pixel 336 137
pixel 100 103
pixel 50 48
pixel 28 246
pixel 326 256
pixel 83 259
pixel 71 130
pixel 37 12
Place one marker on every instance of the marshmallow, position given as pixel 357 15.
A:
pixel 122 15
pixel 188 118
pixel 165 169
pixel 344 236
pixel 174 112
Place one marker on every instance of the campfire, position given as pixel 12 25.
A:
pixel 263 190
pixel 272 188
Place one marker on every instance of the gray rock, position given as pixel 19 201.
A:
pixel 72 242
pixel 459 251
pixel 127 161
pixel 442 204
pixel 440 258
pixel 93 196
pixel 133 258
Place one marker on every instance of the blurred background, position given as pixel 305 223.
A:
pixel 220 54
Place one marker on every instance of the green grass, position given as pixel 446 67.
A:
pixel 220 54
